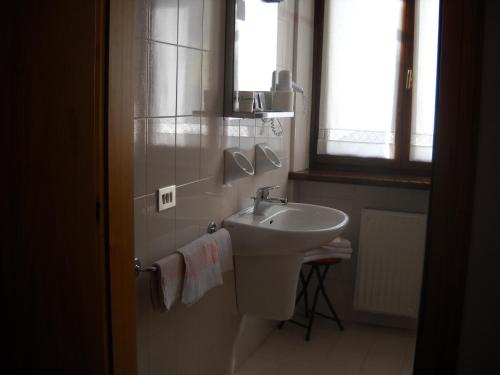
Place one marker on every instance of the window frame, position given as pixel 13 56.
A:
pixel 401 164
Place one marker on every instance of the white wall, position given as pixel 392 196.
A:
pixel 303 64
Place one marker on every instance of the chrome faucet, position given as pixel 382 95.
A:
pixel 263 200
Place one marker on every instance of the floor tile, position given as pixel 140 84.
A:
pixel 359 350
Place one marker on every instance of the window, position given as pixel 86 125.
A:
pixel 375 99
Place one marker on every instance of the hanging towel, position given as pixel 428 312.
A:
pixel 225 249
pixel 202 268
pixel 166 282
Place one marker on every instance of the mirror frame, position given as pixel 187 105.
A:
pixel 229 65
pixel 229 59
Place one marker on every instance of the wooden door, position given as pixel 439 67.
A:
pixel 450 213
pixel 67 238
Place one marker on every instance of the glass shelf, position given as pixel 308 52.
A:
pixel 269 114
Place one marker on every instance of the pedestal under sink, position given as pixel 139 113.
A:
pixel 268 251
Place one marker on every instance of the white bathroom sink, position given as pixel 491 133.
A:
pixel 269 251
pixel 295 227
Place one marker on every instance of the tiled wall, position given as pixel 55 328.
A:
pixel 180 136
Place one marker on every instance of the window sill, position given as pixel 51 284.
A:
pixel 361 178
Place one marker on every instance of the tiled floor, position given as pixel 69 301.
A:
pixel 359 350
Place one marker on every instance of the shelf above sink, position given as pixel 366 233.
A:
pixel 258 115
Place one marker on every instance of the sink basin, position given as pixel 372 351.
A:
pixel 269 250
pixel 284 229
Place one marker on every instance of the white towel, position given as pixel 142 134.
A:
pixel 225 249
pixel 339 245
pixel 166 282
pixel 322 253
pixel 339 242
pixel 324 250
pixel 340 250
pixel 203 271
pixel 337 248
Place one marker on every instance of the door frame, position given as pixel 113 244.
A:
pixel 120 185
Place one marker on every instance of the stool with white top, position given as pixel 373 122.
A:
pixel 320 260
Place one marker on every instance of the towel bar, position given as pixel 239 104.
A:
pixel 212 228
pixel 139 268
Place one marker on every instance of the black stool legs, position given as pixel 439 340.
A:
pixel 321 286
pixel 315 301
pixel 320 289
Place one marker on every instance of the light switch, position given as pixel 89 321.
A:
pixel 166 198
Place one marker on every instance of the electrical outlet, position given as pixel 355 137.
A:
pixel 166 198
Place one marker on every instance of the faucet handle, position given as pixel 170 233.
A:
pixel 263 191
pixel 267 188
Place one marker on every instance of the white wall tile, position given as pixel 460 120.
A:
pixel 141 92
pixel 160 153
pixel 191 23
pixel 162 79
pixel 187 149
pixel 189 82
pixel 164 20
pixel 140 130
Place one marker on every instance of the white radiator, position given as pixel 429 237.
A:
pixel 390 262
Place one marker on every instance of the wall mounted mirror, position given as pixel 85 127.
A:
pixel 255 45
pixel 251 55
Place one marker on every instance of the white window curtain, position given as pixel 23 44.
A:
pixel 360 71
pixel 424 73
pixel 360 76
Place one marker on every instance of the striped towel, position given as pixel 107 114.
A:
pixel 166 282
pixel 203 270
